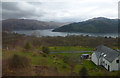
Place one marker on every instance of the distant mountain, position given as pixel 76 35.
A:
pixel 28 24
pixel 95 25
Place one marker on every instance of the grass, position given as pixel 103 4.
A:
pixel 69 48
pixel 48 60
pixel 90 66
pixel 60 65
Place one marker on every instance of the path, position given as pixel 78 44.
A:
pixel 72 52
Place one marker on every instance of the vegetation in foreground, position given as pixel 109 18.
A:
pixel 38 61
pixel 59 64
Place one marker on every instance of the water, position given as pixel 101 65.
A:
pixel 48 32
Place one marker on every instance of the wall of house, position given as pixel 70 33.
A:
pixel 100 60
pixel 119 63
pixel 94 58
pixel 106 63
pixel 113 65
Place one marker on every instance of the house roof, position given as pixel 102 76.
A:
pixel 106 52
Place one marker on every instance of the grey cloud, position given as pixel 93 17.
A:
pixel 18 14
pixel 9 5
pixel 12 10
pixel 60 11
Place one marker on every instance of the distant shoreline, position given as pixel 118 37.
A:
pixel 48 32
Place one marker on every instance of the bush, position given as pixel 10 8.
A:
pixel 66 59
pixel 53 56
pixel 83 72
pixel 44 55
pixel 17 61
pixel 35 54
pixel 64 66
pixel 27 46
pixel 45 50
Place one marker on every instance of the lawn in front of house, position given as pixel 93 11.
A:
pixel 68 48
pixel 53 60
pixel 57 61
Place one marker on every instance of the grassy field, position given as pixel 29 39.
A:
pixel 69 48
pixel 55 60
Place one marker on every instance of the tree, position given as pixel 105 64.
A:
pixel 105 37
pixel 83 72
pixel 45 49
pixel 27 46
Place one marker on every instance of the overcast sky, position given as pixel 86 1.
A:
pixel 61 11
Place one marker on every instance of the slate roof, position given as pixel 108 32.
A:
pixel 106 52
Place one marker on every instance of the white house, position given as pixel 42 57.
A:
pixel 106 57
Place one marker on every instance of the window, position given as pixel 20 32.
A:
pixel 103 62
pixel 117 61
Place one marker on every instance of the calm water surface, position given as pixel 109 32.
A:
pixel 48 32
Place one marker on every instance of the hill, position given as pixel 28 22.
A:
pixel 28 24
pixel 94 25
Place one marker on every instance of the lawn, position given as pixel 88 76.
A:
pixel 68 48
pixel 56 61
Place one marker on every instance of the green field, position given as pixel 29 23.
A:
pixel 55 60
pixel 68 48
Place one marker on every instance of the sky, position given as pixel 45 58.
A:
pixel 59 10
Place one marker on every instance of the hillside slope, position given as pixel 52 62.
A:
pixel 28 24
pixel 95 25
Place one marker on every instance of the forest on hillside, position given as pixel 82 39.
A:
pixel 95 25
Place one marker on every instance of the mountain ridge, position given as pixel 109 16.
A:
pixel 29 24
pixel 94 25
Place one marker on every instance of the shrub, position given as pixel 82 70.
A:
pixel 35 54
pixel 53 56
pixel 17 61
pixel 27 46
pixel 45 50
pixel 44 55
pixel 83 72
pixel 55 48
pixel 64 66
pixel 66 59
